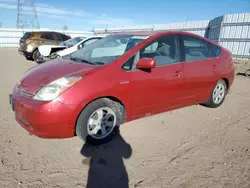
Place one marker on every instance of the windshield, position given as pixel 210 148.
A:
pixel 72 42
pixel 107 49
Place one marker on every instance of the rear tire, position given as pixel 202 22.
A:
pixel 100 116
pixel 218 94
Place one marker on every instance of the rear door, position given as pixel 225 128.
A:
pixel 199 69
pixel 48 38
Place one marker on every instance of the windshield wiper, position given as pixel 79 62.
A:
pixel 99 63
pixel 81 60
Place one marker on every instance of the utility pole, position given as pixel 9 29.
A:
pixel 27 15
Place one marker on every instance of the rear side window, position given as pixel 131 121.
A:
pixel 213 50
pixel 57 37
pixel 64 37
pixel 47 36
pixel 194 48
pixel 27 35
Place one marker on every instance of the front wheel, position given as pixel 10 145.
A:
pixel 99 121
pixel 218 94
pixel 36 54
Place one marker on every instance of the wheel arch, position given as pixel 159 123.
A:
pixel 227 81
pixel 112 98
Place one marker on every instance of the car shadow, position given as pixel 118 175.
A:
pixel 106 166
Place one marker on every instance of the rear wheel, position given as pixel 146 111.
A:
pixel 218 94
pixel 99 121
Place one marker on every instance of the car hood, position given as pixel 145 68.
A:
pixel 43 74
pixel 45 50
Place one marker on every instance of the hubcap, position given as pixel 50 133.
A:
pixel 219 93
pixel 101 123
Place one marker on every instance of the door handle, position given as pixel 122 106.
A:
pixel 214 67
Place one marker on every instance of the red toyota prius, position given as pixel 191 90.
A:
pixel 120 78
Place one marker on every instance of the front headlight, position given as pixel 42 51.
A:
pixel 55 88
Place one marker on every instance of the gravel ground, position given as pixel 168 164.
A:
pixel 191 147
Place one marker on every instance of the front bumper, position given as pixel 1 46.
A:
pixel 44 119
pixel 24 53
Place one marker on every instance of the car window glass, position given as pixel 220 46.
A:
pixel 128 65
pixel 89 41
pixel 47 36
pixel 64 37
pixel 194 48
pixel 214 50
pixel 108 49
pixel 57 37
pixel 151 48
pixel 116 47
pixel 27 35
pixel 165 50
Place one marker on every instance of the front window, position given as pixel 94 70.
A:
pixel 107 50
pixel 165 50
pixel 71 42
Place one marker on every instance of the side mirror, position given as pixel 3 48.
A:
pixel 79 46
pixel 146 63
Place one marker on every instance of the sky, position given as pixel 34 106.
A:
pixel 88 14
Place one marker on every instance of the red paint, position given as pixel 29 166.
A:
pixel 142 93
pixel 146 63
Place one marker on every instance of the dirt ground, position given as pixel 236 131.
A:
pixel 187 148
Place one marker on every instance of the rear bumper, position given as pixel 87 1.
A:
pixel 44 119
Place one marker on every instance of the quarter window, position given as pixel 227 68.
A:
pixel 57 37
pixel 129 64
pixel 165 50
pixel 64 37
pixel 194 48
pixel 214 50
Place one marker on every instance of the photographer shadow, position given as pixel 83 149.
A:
pixel 106 166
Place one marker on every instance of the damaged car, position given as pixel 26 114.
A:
pixel 49 52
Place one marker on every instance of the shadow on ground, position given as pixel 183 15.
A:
pixel 106 166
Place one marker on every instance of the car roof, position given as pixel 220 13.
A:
pixel 164 32
pixel 151 33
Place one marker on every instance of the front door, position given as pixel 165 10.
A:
pixel 158 89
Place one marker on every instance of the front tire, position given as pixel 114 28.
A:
pixel 36 55
pixel 218 94
pixel 99 121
